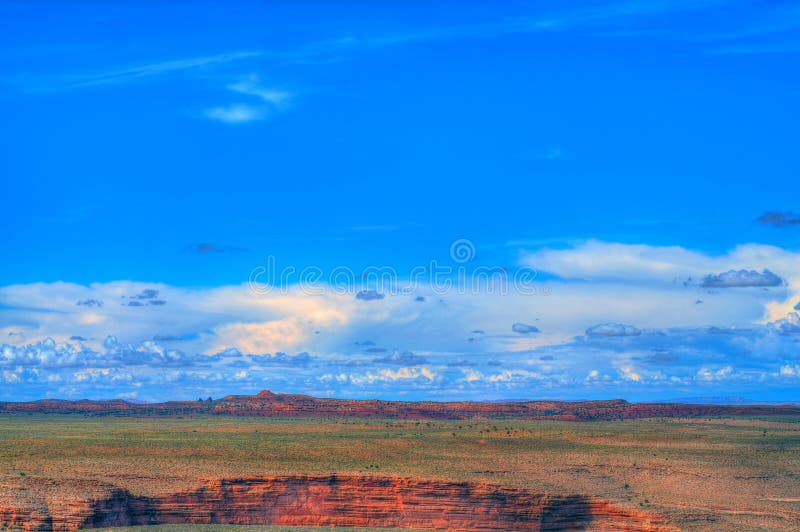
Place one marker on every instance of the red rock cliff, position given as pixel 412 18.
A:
pixel 343 501
pixel 269 404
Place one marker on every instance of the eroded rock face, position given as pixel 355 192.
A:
pixel 343 501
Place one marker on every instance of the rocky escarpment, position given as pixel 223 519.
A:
pixel 268 404
pixel 341 501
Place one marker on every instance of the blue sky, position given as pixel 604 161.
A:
pixel 630 153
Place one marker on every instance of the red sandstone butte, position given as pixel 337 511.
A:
pixel 341 501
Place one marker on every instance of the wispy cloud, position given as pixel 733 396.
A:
pixel 269 100
pixel 236 113
pixel 250 86
pixel 553 154
pixel 610 14
pixel 130 74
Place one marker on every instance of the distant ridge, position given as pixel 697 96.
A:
pixel 268 404
pixel 713 400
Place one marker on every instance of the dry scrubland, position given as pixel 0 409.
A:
pixel 721 474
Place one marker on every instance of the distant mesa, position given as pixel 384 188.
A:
pixel 268 404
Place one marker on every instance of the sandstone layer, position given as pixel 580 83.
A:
pixel 360 501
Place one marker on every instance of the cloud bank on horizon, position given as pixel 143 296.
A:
pixel 634 162
pixel 636 333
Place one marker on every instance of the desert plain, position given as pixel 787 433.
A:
pixel 665 473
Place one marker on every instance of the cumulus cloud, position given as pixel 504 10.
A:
pixel 51 354
pixel 264 337
pixel 652 362
pixel 386 375
pixel 174 337
pixel 610 261
pixel 268 102
pixel 147 293
pixel 779 219
pixel 711 374
pixel 369 295
pixel 281 359
pixel 523 328
pixel 756 336
pixel 613 329
pixel 742 278
pixel 598 260
pixel 788 325
pixel 90 303
pixel 404 358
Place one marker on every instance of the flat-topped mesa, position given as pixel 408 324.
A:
pixel 269 404
pixel 353 501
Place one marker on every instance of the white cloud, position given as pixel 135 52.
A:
pixel 237 113
pixel 742 279
pixel 270 101
pixel 252 87
pixel 736 335
pixel 388 375
pixel 613 329
pixel 597 260
pixel 790 370
pixel 134 73
pixel 708 374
